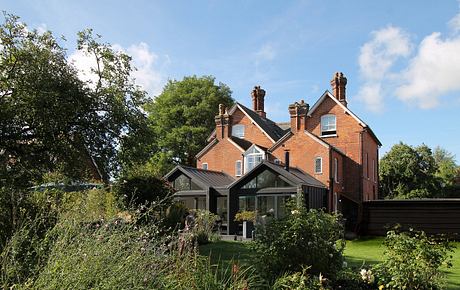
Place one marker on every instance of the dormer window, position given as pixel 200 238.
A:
pixel 253 156
pixel 328 125
pixel 238 131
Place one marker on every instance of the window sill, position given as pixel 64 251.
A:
pixel 326 136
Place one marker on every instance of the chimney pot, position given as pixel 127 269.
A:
pixel 258 96
pixel 338 84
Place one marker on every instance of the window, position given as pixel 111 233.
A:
pixel 252 157
pixel 318 165
pixel 238 131
pixel 336 170
pixel 264 180
pixel 328 125
pixel 238 169
pixel 183 182
pixel 204 166
pixel 374 171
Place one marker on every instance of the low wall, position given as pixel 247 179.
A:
pixel 434 216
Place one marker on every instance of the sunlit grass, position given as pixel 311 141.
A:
pixel 365 251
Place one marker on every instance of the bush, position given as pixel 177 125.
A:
pixel 191 271
pixel 203 227
pixel 301 239
pixel 412 260
pixel 297 281
pixel 142 188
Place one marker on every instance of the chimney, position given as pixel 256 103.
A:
pixel 258 96
pixel 222 123
pixel 286 160
pixel 298 113
pixel 338 83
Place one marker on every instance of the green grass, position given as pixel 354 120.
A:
pixel 365 251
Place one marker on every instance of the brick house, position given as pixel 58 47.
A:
pixel 252 163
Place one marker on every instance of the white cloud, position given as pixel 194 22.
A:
pixel 376 58
pixel 147 74
pixel 84 63
pixel 433 72
pixel 428 75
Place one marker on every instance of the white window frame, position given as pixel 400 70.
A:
pixel 238 168
pixel 204 166
pixel 238 131
pixel 320 165
pixel 331 127
pixel 336 170
pixel 260 154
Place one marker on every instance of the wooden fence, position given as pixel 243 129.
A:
pixel 434 216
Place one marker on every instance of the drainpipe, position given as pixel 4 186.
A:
pixel 331 182
pixel 286 160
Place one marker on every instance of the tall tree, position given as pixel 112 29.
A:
pixel 447 168
pixel 182 117
pixel 50 119
pixel 406 171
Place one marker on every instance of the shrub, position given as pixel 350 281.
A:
pixel 142 188
pixel 175 216
pixel 300 239
pixel 297 281
pixel 191 271
pixel 412 260
pixel 202 231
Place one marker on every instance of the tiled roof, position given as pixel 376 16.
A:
pixel 270 127
pixel 245 144
pixel 294 175
pixel 208 178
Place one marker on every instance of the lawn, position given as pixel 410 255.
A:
pixel 365 251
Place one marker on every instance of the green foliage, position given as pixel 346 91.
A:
pixel 416 172
pixel 194 272
pixel 412 260
pixel 82 122
pixel 297 281
pixel 142 188
pixel 175 216
pixel 27 250
pixel 245 216
pixel 205 222
pixel 447 168
pixel 301 239
pixel 182 117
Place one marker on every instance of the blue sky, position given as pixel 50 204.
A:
pixel 401 58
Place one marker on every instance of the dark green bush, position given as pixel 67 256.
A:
pixel 303 238
pixel 141 188
pixel 412 260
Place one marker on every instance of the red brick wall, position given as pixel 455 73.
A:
pixel 370 173
pixel 302 153
pixel 252 132
pixel 338 184
pixel 350 142
pixel 221 157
